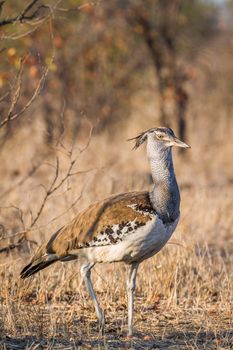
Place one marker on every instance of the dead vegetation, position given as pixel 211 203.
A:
pixel 184 294
pixel 183 299
pixel 53 166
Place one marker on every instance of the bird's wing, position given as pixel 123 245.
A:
pixel 103 223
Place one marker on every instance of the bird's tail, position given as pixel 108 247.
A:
pixel 34 267
pixel 44 257
pixel 40 261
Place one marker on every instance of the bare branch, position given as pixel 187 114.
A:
pixel 22 35
pixel 88 140
pixel 23 234
pixel 55 184
pixel 17 244
pixel 16 92
pixel 11 246
pixel 68 174
pixel 36 93
pixel 66 211
pixel 82 172
pixel 27 9
pixel 48 193
pixel 78 8
pixel 24 15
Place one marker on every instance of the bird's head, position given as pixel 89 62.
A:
pixel 160 137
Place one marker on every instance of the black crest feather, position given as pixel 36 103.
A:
pixel 139 140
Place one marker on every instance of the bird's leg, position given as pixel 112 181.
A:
pixel 131 285
pixel 86 275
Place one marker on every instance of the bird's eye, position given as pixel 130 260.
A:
pixel 160 136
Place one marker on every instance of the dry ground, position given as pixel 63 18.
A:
pixel 183 295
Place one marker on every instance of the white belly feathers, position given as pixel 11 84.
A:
pixel 139 245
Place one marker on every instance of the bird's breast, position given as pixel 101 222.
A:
pixel 141 244
pixel 150 239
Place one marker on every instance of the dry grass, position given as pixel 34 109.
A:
pixel 183 295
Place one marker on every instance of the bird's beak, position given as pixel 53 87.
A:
pixel 177 142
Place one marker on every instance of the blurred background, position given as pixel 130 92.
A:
pixel 79 78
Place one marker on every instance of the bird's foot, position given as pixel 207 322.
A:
pixel 129 337
pixel 147 338
pixel 101 323
pixel 129 334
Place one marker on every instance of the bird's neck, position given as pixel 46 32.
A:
pixel 165 196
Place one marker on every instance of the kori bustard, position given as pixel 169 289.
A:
pixel 128 227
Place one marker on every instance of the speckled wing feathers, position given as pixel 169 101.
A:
pixel 103 223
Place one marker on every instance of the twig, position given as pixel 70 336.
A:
pixel 88 140
pixel 23 16
pixel 12 246
pixel 48 193
pixel 53 187
pixel 66 211
pixel 22 35
pixel 16 93
pixel 78 8
pixel 32 99
pixel 27 8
